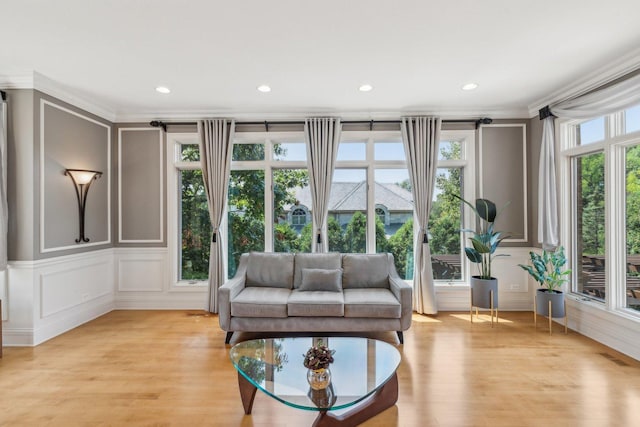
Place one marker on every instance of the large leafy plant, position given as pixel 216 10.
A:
pixel 485 240
pixel 547 269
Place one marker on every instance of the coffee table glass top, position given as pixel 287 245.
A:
pixel 275 365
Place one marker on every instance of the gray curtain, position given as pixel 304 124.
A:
pixel 216 144
pixel 421 136
pixel 322 136
pixel 4 209
pixel 615 97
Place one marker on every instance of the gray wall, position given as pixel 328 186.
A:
pixel 502 175
pixel 142 186
pixel 73 140
pixel 21 165
pixel 47 136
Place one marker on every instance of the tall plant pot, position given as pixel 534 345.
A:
pixel 484 294
pixel 481 291
pixel 550 304
pixel 543 297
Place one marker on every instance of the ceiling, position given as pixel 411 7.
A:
pixel 314 55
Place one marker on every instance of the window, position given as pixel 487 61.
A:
pixel 590 225
pixel 444 225
pixel 632 221
pixel 447 218
pixel 601 166
pixel 190 231
pixel 382 215
pixel 269 202
pixel 299 216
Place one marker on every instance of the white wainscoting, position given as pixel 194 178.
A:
pixel 46 298
pixel 514 290
pixel 613 329
pixel 144 282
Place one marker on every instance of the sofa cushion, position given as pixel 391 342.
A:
pixel 317 279
pixel 326 261
pixel 260 301
pixel 379 303
pixel 273 270
pixel 315 303
pixel 365 271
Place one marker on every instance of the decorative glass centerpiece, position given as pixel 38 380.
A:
pixel 317 360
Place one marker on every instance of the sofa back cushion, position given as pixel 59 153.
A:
pixel 274 270
pixel 329 261
pixel 365 271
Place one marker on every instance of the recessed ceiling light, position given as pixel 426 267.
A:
pixel 470 86
pixel 163 89
pixel 264 88
pixel 365 88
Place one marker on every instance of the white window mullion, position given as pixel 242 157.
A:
pixel 268 197
pixel 371 209
pixel 615 219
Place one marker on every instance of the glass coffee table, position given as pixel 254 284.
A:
pixel 363 376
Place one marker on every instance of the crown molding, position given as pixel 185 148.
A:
pixel 37 81
pixel 23 80
pixel 601 76
pixel 133 117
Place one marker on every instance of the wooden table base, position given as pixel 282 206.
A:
pixel 384 398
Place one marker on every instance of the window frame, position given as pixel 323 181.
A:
pixel 175 164
pixel 613 147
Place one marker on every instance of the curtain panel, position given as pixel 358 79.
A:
pixel 421 137
pixel 322 136
pixel 607 100
pixel 216 145
pixel 4 208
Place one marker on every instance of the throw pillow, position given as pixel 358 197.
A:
pixel 317 279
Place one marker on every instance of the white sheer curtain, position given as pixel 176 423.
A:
pixel 322 136
pixel 421 136
pixel 216 144
pixel 547 191
pixel 612 98
pixel 4 209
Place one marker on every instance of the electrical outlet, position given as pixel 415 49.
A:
pixel 514 287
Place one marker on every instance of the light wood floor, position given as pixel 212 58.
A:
pixel 162 368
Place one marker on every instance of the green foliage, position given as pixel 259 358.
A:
pixel 196 226
pixel 285 238
pixel 547 269
pixel 401 246
pixel 591 198
pixel 446 212
pixel 355 236
pixel 336 237
pixel 633 199
pixel 485 240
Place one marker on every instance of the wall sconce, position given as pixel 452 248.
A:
pixel 82 180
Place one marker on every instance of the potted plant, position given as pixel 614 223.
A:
pixel 317 361
pixel 484 242
pixel 548 270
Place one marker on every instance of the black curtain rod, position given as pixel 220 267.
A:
pixel 266 123
pixel 4 95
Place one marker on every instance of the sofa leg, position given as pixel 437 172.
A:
pixel 228 337
pixel 400 337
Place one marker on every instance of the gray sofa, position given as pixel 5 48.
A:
pixel 329 292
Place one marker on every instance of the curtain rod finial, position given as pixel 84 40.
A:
pixel 545 112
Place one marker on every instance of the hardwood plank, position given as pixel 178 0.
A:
pixel 171 368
